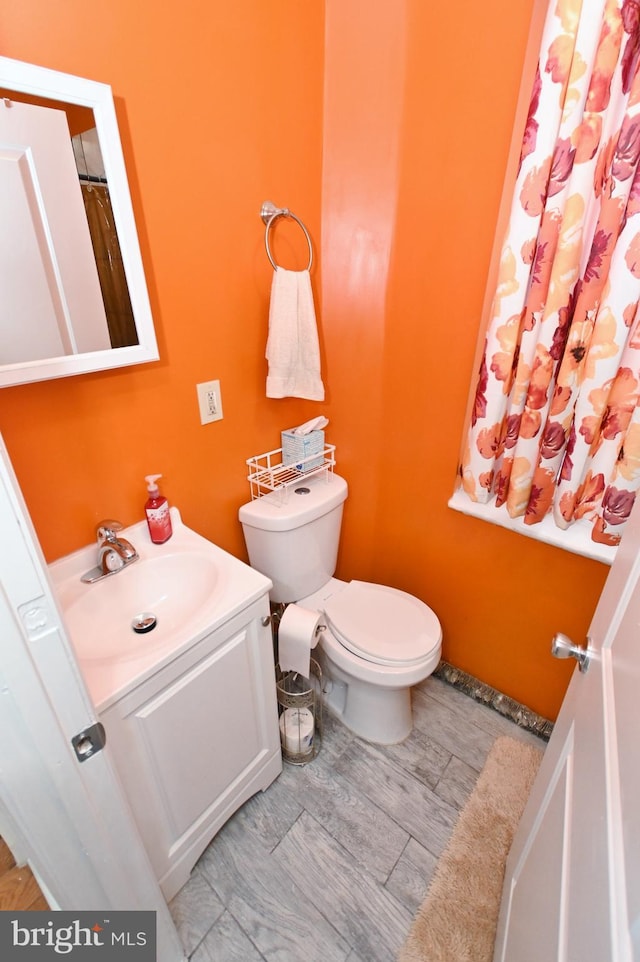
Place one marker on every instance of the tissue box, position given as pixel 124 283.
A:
pixel 297 447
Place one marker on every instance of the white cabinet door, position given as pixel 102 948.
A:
pixel 195 742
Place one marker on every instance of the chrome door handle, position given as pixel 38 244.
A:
pixel 563 647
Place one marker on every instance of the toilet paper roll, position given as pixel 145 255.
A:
pixel 296 730
pixel 297 635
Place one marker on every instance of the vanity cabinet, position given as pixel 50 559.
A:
pixel 196 740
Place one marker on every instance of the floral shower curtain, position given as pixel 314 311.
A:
pixel 555 426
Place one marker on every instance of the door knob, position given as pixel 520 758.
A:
pixel 563 647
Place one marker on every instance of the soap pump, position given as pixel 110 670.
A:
pixel 157 511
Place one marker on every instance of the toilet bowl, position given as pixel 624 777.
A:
pixel 378 642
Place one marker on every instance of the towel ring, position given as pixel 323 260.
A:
pixel 269 212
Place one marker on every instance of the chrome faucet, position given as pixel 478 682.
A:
pixel 114 553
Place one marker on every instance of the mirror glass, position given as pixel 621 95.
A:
pixel 74 293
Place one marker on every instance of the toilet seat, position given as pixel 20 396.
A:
pixel 382 625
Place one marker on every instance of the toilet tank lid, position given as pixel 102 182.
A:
pixel 304 502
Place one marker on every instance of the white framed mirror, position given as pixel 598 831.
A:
pixel 74 295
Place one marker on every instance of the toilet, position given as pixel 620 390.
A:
pixel 378 641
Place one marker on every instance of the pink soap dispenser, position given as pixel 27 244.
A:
pixel 157 512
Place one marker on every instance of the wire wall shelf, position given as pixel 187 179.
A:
pixel 268 474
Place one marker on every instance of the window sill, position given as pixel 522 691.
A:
pixel 576 539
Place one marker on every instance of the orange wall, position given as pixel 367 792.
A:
pixel 387 124
pixel 419 107
pixel 220 108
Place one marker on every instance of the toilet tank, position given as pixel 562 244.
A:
pixel 294 540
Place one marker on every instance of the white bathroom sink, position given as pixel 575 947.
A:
pixel 188 587
pixel 167 592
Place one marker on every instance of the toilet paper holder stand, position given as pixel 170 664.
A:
pixel 300 713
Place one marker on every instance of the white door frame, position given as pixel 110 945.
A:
pixel 69 819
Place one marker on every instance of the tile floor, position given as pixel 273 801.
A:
pixel 332 861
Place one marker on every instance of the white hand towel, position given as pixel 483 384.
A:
pixel 293 350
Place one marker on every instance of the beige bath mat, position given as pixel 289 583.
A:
pixel 457 922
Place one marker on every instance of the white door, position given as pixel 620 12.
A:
pixel 48 274
pixel 572 886
pixel 64 815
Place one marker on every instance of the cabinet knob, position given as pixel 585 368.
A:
pixel 266 620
